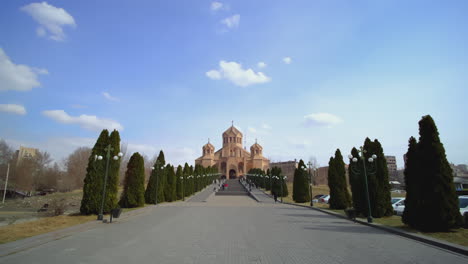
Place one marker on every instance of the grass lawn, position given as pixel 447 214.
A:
pixel 28 229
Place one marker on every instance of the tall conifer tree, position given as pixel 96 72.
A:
pixel 170 188
pixel 112 186
pixel 301 193
pixel 133 194
pixel 412 180
pixel 437 202
pixel 94 180
pixel 357 183
pixel 339 195
pixel 179 182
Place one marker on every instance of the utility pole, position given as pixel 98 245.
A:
pixel 6 182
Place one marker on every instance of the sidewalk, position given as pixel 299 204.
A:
pixel 261 196
pixel 202 196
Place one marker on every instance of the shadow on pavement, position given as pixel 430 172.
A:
pixel 312 215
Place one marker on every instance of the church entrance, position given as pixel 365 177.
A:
pixel 232 174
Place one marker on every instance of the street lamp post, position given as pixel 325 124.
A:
pixel 310 183
pixel 183 191
pixel 108 149
pixel 157 182
pixel 282 181
pixel 355 170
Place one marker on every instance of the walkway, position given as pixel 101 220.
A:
pixel 262 196
pixel 258 233
pixel 202 195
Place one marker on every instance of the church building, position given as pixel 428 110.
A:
pixel 232 160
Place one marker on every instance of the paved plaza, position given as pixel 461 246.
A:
pixel 233 229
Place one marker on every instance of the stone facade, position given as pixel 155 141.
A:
pixel 287 168
pixel 25 153
pixel 321 177
pixel 392 168
pixel 232 160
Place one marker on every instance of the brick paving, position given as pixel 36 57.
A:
pixel 235 230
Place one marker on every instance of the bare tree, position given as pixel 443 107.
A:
pixel 6 156
pixel 313 167
pixel 75 165
pixel 48 177
pixel 6 153
pixel 124 161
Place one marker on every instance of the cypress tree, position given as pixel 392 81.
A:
pixel 154 185
pixel 268 180
pixel 150 193
pixel 412 183
pixel 382 204
pixel 339 195
pixel 377 179
pixel 301 184
pixel 357 184
pixel 133 194
pixel 179 182
pixel 161 176
pixel 276 183
pixel 170 187
pixel 94 180
pixel 186 173
pixel 437 201
pixel 112 186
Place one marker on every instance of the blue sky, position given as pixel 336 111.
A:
pixel 303 77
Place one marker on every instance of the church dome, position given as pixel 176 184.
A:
pixel 232 131
pixel 208 146
pixel 256 146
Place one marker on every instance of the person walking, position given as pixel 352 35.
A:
pixel 275 196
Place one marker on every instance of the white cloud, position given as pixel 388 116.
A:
pixel 16 76
pixel 252 130
pixel 50 18
pixel 213 74
pixel 89 122
pixel 263 130
pixel 233 72
pixel 215 6
pixel 266 126
pixel 110 97
pixel 142 149
pixel 232 21
pixel 322 119
pixel 261 65
pixel 287 60
pixel 178 156
pixel 13 108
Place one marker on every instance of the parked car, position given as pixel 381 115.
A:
pixel 317 197
pixel 324 199
pixel 463 204
pixel 399 207
pixel 395 200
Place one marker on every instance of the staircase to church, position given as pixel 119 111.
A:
pixel 234 188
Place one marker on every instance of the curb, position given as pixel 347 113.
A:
pixel 421 238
